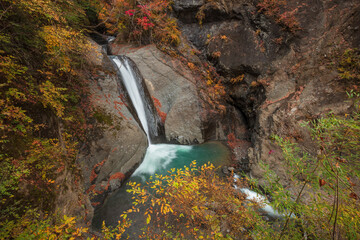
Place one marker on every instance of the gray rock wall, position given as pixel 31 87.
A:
pixel 116 144
pixel 169 82
pixel 288 77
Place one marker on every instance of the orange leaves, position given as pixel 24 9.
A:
pixel 145 22
pixel 322 182
pixel 157 104
pixel 194 197
pixel 278 10
pixel 216 54
pixel 191 65
pixel 62 43
pixel 237 79
pixel 117 175
pixel 224 37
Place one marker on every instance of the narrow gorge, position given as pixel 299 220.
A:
pixel 182 119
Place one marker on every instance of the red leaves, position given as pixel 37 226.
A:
pixel 130 12
pixel 91 188
pixel 94 204
pixel 354 196
pixel 93 175
pixel 233 142
pixel 342 160
pixel 158 105
pixel 279 11
pixel 145 23
pixel 117 175
pixel 322 182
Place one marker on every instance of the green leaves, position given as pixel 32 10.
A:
pixel 349 65
pixel 42 44
pixel 326 200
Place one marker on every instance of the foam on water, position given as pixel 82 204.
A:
pixel 158 157
pixel 254 196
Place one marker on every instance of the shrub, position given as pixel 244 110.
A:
pixel 277 9
pixel 349 65
pixel 326 205
pixel 192 203
pixel 145 22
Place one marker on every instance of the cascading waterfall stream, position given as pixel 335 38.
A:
pixel 159 158
pixel 133 91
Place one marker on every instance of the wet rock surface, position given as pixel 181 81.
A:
pixel 171 86
pixel 288 78
pixel 116 143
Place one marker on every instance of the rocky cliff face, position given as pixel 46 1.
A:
pixel 284 77
pixel 173 91
pixel 116 143
pixel 289 77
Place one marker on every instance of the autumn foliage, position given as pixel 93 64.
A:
pixel 349 65
pixel 158 105
pixel 143 22
pixel 191 203
pixel 42 86
pixel 280 12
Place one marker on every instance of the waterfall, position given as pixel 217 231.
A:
pixel 140 98
pixel 132 88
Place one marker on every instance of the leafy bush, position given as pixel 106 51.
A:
pixel 148 21
pixel 42 44
pixel 192 203
pixel 195 203
pixel 349 65
pixel 277 9
pixel 326 205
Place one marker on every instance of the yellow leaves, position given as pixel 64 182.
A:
pixel 148 219
pixel 62 43
pixel 53 97
pixel 66 229
pixel 46 8
pixel 10 69
pixel 349 65
pixel 167 31
pixel 197 196
pixel 237 79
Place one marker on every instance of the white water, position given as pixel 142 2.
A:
pixel 254 196
pixel 133 91
pixel 158 157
